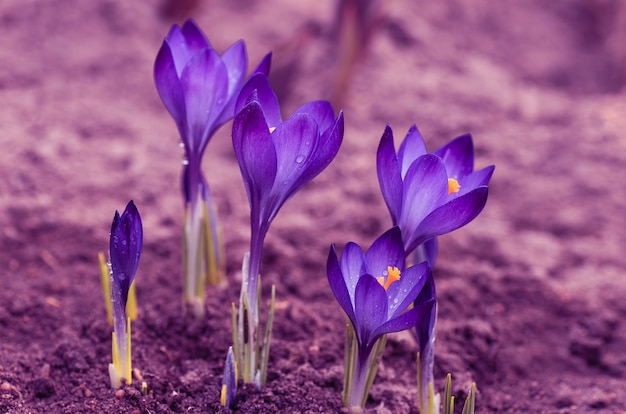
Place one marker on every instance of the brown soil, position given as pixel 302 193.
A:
pixel 530 294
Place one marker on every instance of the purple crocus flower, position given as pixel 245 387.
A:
pixel 375 289
pixel 124 250
pixel 430 194
pixel 199 88
pixel 277 158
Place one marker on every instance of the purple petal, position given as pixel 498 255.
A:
pixel 403 292
pixel 295 140
pixel 425 189
pixel 352 266
pixel 185 42
pixel 389 176
pixel 370 308
pixel 205 86
pixel 325 151
pixel 236 61
pixel 458 156
pixel 264 65
pixel 321 111
pixel 405 321
pixel 474 180
pixel 412 148
pixel 337 282
pixel 387 250
pixel 451 216
pixel 169 87
pixel 196 40
pixel 265 95
pixel 255 153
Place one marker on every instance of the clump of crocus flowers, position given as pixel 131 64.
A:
pixel 386 288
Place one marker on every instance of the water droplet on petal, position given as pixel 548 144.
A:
pixel 299 159
pixel 220 102
pixel 185 162
pixel 181 144
pixel 307 142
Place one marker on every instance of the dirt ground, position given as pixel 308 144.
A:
pixel 531 294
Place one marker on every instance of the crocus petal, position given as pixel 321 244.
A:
pixel 402 293
pixel 352 266
pixel 321 111
pixel 412 148
pixel 264 65
pixel 405 321
pixel 337 284
pixel 294 140
pixel 236 60
pixel 169 88
pixel 387 250
pixel 205 86
pixel 425 189
pixel 324 152
pixel 458 156
pixel 389 175
pixel 185 42
pixel 255 153
pixel 451 216
pixel 474 180
pixel 265 95
pixel 370 308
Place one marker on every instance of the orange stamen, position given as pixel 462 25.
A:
pixel 393 275
pixel 453 186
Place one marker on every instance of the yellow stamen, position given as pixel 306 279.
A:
pixel 393 275
pixel 272 129
pixel 453 186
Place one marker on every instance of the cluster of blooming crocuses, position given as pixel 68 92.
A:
pixel 427 195
pixel 387 288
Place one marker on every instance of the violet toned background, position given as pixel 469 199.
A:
pixel 530 294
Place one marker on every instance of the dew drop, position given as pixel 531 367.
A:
pixel 395 301
pixel 181 144
pixel 299 159
pixel 185 162
pixel 307 142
